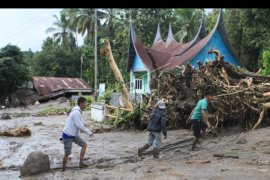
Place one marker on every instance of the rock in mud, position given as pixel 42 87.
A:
pixel 241 141
pixel 38 123
pixel 6 116
pixel 35 163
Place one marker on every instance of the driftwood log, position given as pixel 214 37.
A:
pixel 117 74
pixel 16 132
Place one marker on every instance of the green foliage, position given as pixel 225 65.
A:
pixel 13 70
pixel 63 33
pixel 248 32
pixel 50 110
pixel 28 57
pixel 106 96
pixel 211 20
pixel 14 52
pixel 109 90
pixel 133 118
pixel 266 63
pixel 89 99
pixel 106 122
pixel 57 61
pixel 189 20
pixel 72 102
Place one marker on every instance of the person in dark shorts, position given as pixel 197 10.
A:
pixel 73 125
pixel 199 118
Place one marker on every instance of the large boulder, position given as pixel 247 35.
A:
pixel 35 163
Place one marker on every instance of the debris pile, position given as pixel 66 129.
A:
pixel 16 132
pixel 240 98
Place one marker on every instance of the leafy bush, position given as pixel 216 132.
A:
pixel 111 88
pixel 266 63
pixel 89 99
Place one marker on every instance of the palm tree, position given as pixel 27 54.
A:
pixel 112 20
pixel 189 20
pixel 85 19
pixel 71 15
pixel 63 34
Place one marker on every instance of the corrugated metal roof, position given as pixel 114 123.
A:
pixel 48 85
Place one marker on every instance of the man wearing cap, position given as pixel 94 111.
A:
pixel 156 125
pixel 199 118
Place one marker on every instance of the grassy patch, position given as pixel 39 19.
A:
pixel 106 122
pixel 52 111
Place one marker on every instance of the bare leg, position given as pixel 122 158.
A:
pixel 195 141
pixel 65 162
pixel 83 150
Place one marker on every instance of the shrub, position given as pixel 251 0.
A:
pixel 89 99
pixel 266 63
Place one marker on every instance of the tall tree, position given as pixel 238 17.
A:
pixel 13 70
pixel 189 20
pixel 63 33
pixel 84 20
pixel 55 60
pixel 234 28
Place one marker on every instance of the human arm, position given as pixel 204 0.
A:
pixel 205 118
pixel 203 107
pixel 191 113
pixel 79 124
pixel 163 119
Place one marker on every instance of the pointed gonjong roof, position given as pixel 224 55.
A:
pixel 200 43
pixel 166 56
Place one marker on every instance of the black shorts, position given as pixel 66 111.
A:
pixel 197 126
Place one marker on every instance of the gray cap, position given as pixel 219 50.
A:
pixel 161 104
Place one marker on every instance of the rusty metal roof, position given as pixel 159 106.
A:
pixel 48 85
pixel 161 54
pixel 200 43
pixel 166 56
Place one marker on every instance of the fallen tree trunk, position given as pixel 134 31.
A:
pixel 117 74
pixel 225 156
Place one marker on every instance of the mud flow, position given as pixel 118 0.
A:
pixel 112 155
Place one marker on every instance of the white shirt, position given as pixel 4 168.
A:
pixel 74 123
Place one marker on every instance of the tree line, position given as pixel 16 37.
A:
pixel 60 55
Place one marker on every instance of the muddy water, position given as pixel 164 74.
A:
pixel 111 155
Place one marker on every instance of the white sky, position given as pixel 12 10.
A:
pixel 26 28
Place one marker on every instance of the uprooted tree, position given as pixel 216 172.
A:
pixel 240 98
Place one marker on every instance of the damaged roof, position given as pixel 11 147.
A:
pixel 170 54
pixel 48 85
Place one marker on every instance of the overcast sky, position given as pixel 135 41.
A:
pixel 26 28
